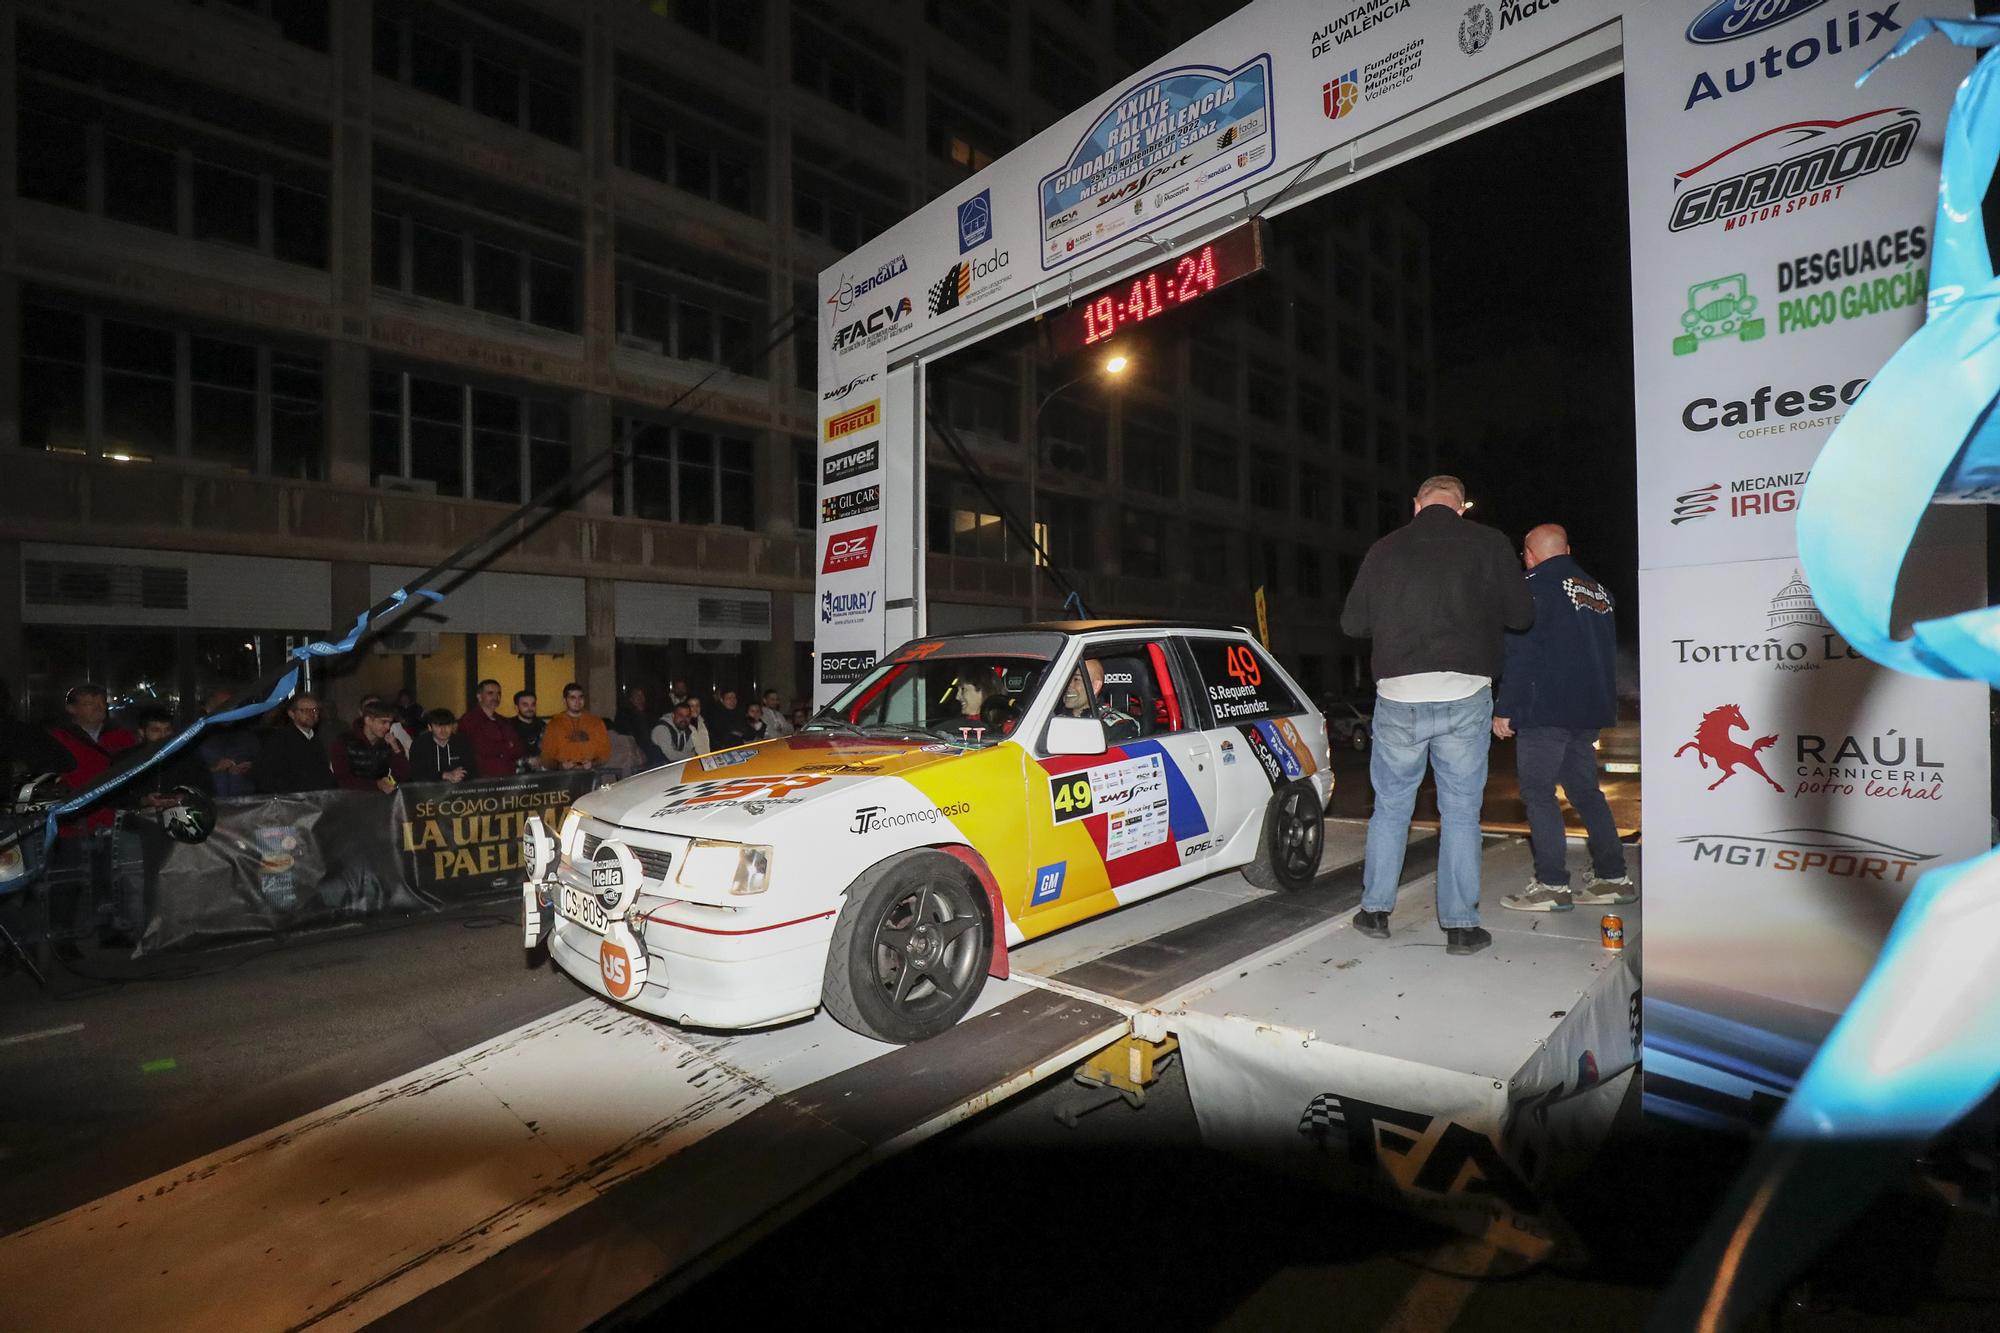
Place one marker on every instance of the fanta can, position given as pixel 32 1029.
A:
pixel 1614 931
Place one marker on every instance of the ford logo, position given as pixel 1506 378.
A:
pixel 1726 20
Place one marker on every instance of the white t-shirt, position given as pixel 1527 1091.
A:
pixel 1431 687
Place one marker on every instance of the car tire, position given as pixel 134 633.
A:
pixel 899 967
pixel 1294 836
pixel 1360 740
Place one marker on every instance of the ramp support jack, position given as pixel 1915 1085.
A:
pixel 1127 1066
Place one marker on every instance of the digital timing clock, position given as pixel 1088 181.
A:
pixel 1167 285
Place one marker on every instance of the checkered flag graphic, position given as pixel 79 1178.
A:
pixel 1323 1118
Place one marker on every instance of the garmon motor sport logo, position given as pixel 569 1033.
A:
pixel 850 504
pixel 1794 409
pixel 845 668
pixel 852 549
pixel 1859 28
pixel 1792 612
pixel 1809 851
pixel 842 424
pixel 839 392
pixel 1745 497
pixel 855 462
pixel 1352 22
pixel 1886 767
pixel 1816 160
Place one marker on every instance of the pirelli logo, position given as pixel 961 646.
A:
pixel 842 424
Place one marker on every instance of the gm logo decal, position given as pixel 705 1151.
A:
pixel 1049 883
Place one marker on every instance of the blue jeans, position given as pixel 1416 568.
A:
pixel 1543 757
pixel 1453 739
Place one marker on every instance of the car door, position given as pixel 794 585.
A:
pixel 1253 718
pixel 1135 820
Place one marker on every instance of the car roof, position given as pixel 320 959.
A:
pixel 1077 628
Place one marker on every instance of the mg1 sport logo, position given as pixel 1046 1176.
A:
pixel 1798 165
pixel 855 462
pixel 852 549
pixel 842 424
pixel 846 608
pixel 1809 851
pixel 850 504
pixel 1795 49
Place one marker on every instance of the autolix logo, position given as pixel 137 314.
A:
pixel 975 221
pixel 855 462
pixel 852 549
pixel 1859 28
pixel 845 668
pixel 1834 154
pixel 1713 743
pixel 1726 20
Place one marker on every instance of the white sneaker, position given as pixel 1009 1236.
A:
pixel 1597 892
pixel 1539 897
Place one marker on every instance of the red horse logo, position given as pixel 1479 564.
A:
pixel 1713 741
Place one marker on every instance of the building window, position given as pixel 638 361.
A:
pixel 524 76
pixel 846 74
pixel 805 481
pixel 1216 553
pixel 1059 69
pixel 1268 396
pixel 962 128
pixel 1067 533
pixel 1212 369
pixel 1215 465
pixel 1315 493
pixel 1074 435
pixel 704 147
pixel 1315 417
pixel 693 474
pixel 1267 484
pixel 843 205
pixel 1150 452
pixel 962 522
pixel 1270 575
pixel 982 27
pixel 1354 437
pixel 1142 544
pixel 728 23
pixel 424 250
pixel 1309 583
pixel 464 440
pixel 301 21
pixel 664 307
pixel 1309 330
pixel 982 404
pixel 1385 379
pixel 162 393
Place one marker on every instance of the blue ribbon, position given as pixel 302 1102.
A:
pixel 287 685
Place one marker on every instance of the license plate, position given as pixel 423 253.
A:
pixel 584 909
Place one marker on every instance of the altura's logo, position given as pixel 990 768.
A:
pixel 1712 741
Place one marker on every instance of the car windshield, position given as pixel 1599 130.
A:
pixel 971 699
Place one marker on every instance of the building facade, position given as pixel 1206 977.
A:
pixel 308 294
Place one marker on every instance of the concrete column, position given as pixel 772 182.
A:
pixel 597 650
pixel 13 638
pixel 351 190
pixel 347 413
pixel 349 579
pixel 591 419
pixel 590 435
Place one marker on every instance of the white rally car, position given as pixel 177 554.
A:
pixel 968 793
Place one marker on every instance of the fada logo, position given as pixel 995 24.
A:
pixel 1340 95
pixel 853 462
pixel 1712 742
pixel 947 292
pixel 846 423
pixel 1808 851
pixel 850 504
pixel 969 280
pixel 834 395
pixel 1355 21
pixel 845 668
pixel 1726 20
pixel 975 221
pixel 849 550
pixel 1718 308
pixel 1796 55
pixel 1475 30
pixel 1835 154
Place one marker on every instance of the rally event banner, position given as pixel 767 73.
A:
pixel 282 863
pixel 1793 791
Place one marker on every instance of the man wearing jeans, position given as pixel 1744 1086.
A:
pixel 1557 690
pixel 1436 597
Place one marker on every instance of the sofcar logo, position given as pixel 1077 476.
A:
pixel 844 668
pixel 1726 20
pixel 860 418
pixel 853 462
pixel 849 550
pixel 1881 140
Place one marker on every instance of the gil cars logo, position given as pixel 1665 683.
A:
pixel 1726 20
pixel 842 424
pixel 850 504
pixel 852 549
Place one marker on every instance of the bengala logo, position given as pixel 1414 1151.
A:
pixel 1726 20
pixel 853 462
pixel 835 395
pixel 1339 96
pixel 1795 55
pixel 975 221
pixel 849 550
pixel 1712 742
pixel 844 608
pixel 1833 159
pixel 860 418
pixel 846 292
pixel 1704 414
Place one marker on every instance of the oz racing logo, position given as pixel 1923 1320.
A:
pixel 849 550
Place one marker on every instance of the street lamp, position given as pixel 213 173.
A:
pixel 1111 367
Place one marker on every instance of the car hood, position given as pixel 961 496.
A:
pixel 736 793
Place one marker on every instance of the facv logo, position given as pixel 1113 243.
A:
pixel 872 327
pixel 849 550
pixel 1726 20
pixel 1799 54
pixel 835 395
pixel 975 221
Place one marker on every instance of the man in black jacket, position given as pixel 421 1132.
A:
pixel 1436 597
pixel 1558 689
pixel 293 756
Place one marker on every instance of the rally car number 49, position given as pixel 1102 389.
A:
pixel 971 792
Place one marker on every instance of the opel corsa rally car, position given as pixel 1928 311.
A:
pixel 969 793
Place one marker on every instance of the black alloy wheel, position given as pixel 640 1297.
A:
pixel 910 951
pixel 1294 835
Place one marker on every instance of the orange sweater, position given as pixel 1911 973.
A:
pixel 569 739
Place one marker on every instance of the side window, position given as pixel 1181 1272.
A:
pixel 1129 687
pixel 1239 682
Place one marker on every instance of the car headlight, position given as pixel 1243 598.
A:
pixel 725 867
pixel 572 826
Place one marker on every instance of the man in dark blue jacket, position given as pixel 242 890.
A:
pixel 1557 690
